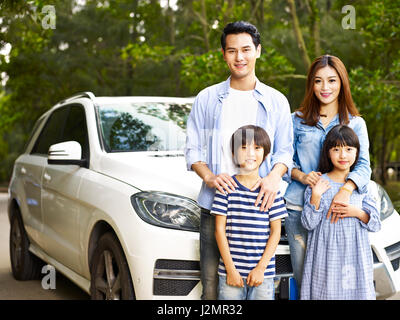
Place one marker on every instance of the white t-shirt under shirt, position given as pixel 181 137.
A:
pixel 238 109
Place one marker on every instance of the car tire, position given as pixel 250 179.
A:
pixel 110 276
pixel 24 264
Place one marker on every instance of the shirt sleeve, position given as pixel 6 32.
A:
pixel 369 206
pixel 195 147
pixel 295 159
pixel 220 204
pixel 278 208
pixel 361 173
pixel 283 144
pixel 311 217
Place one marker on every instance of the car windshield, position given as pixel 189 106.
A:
pixel 144 126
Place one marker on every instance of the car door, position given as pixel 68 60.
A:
pixel 61 208
pixel 30 167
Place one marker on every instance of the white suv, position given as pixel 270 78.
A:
pixel 102 193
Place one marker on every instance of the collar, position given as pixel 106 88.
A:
pixel 259 92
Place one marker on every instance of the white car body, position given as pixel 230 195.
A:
pixel 66 208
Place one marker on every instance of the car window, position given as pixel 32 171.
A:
pixel 35 128
pixel 143 126
pixel 52 131
pixel 76 130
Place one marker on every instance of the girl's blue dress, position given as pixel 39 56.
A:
pixel 338 263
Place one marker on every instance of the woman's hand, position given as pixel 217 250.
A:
pixel 341 199
pixel 345 210
pixel 311 178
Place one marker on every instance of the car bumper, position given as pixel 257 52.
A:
pixel 387 271
pixel 169 268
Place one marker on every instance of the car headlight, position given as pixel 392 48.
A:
pixel 167 210
pixel 386 204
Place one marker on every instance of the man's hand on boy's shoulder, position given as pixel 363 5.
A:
pixel 269 187
pixel 222 182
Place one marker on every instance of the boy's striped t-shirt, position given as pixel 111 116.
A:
pixel 247 228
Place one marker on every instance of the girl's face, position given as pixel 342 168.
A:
pixel 327 85
pixel 250 157
pixel 343 157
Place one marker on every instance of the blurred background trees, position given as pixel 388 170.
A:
pixel 172 48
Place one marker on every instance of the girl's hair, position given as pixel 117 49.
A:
pixel 310 107
pixel 246 135
pixel 339 135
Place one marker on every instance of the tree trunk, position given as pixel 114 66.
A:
pixel 228 13
pixel 299 35
pixel 204 24
pixel 315 27
pixel 383 154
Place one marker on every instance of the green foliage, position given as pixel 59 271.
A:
pixel 125 47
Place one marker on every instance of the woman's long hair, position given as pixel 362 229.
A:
pixel 310 107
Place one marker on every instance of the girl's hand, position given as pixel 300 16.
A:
pixel 320 187
pixel 255 277
pixel 311 178
pixel 234 279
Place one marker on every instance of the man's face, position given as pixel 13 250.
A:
pixel 240 54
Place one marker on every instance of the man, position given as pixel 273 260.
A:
pixel 217 112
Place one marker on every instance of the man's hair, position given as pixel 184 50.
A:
pixel 246 135
pixel 240 27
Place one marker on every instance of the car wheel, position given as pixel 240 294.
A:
pixel 24 265
pixel 110 276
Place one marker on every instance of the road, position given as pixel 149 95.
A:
pixel 11 289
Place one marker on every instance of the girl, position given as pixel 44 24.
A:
pixel 338 261
pixel 327 102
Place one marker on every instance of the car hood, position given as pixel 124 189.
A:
pixel 155 171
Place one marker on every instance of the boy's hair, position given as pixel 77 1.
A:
pixel 240 27
pixel 339 135
pixel 245 135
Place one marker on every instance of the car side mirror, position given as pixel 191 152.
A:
pixel 65 153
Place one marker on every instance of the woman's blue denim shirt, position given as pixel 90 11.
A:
pixel 307 144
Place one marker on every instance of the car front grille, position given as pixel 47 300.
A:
pixel 393 252
pixel 283 265
pixel 175 277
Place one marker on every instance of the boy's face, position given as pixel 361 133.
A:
pixel 240 55
pixel 249 157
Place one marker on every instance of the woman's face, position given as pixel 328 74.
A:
pixel 327 86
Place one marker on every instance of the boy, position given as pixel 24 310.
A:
pixel 247 237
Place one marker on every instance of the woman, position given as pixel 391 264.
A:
pixel 327 102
